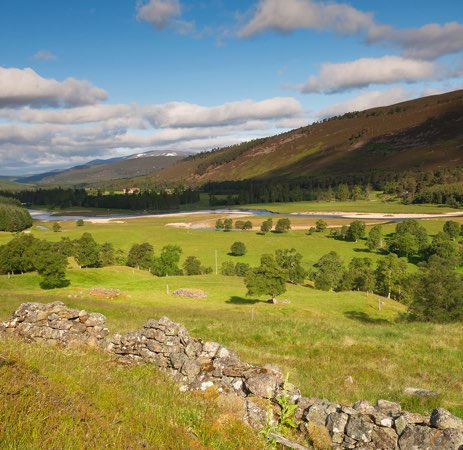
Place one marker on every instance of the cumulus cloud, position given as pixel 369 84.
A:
pixel 181 114
pixel 368 99
pixel 289 15
pixel 365 71
pixel 168 115
pixel 47 124
pixel 158 13
pixel 20 87
pixel 44 55
pixel 428 42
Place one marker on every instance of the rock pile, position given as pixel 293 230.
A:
pixel 54 323
pixel 190 293
pixel 106 293
pixel 201 365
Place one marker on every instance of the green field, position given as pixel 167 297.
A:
pixel 320 339
pixel 367 206
pixel 338 346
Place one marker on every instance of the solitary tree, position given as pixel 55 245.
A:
pixel 320 225
pixel 356 231
pixel 247 225
pixel 283 225
pixel 266 225
pixel 219 224
pixel 80 223
pixel 267 279
pixel 238 249
pixel 56 227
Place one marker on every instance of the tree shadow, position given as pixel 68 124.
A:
pixel 365 318
pixel 243 301
pixel 361 250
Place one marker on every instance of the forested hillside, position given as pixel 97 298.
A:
pixel 419 135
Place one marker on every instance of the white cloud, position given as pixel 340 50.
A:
pixel 44 55
pixel 159 13
pixel 365 71
pixel 36 138
pixel 368 99
pixel 19 87
pixel 427 42
pixel 190 115
pixel 289 15
pixel 169 115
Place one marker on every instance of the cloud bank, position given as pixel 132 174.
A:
pixel 428 42
pixel 21 87
pixel 47 123
pixel 366 71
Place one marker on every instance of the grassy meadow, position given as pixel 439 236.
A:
pixel 338 346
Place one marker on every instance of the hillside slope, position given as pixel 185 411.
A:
pixel 112 169
pixel 419 134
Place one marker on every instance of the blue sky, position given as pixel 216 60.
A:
pixel 86 79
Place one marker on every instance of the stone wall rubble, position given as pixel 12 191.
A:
pixel 199 365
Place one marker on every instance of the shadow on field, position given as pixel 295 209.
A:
pixel 362 250
pixel 243 301
pixel 365 318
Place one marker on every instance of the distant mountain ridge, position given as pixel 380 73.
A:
pixel 421 134
pixel 99 170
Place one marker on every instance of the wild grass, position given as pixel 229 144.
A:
pixel 322 339
pixel 338 346
pixel 80 399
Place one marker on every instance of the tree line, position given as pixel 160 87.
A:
pixel 26 253
pixel 440 186
pixel 155 200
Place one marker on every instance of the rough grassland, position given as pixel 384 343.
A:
pixel 320 338
pixel 324 340
pixel 81 399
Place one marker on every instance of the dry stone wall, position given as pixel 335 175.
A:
pixel 54 323
pixel 201 365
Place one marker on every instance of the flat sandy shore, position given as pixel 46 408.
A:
pixel 239 214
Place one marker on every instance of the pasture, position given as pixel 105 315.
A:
pixel 337 346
